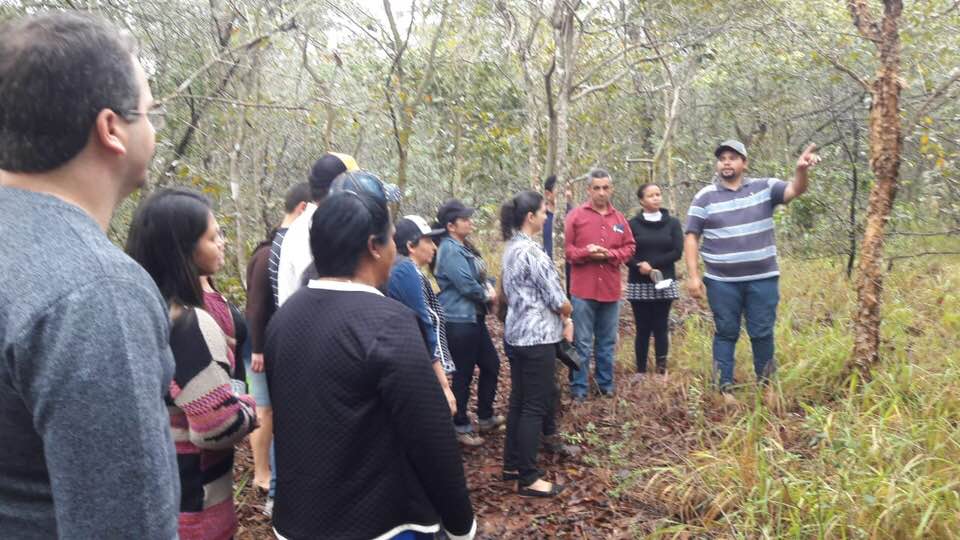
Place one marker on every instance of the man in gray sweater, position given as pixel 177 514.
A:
pixel 85 445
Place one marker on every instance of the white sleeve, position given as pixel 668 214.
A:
pixel 295 257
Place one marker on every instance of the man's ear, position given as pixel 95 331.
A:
pixel 301 206
pixel 109 132
pixel 372 247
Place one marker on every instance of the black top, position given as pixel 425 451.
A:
pixel 660 243
pixel 363 437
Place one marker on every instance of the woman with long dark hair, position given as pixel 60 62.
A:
pixel 364 446
pixel 538 317
pixel 175 237
pixel 465 294
pixel 651 285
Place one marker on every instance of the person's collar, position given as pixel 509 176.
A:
pixel 335 285
pixel 520 235
pixel 610 208
pixel 720 184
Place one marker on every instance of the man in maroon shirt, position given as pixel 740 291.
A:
pixel 597 241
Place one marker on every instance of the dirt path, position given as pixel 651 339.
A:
pixel 641 428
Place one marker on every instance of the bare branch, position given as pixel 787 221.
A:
pixel 923 254
pixel 863 20
pixel 928 104
pixel 288 24
pixel 395 32
pixel 431 58
pixel 241 103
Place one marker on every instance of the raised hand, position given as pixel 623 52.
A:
pixel 808 158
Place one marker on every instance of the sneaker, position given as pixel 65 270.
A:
pixel 606 393
pixel 469 439
pixel 579 399
pixel 492 423
pixel 268 507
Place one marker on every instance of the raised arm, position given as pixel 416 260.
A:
pixel 809 158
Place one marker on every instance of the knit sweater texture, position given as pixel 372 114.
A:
pixel 659 243
pixel 85 446
pixel 363 438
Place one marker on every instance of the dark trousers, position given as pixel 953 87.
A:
pixel 470 347
pixel 549 421
pixel 533 392
pixel 652 318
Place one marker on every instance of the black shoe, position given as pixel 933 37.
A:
pixel 555 490
pixel 509 476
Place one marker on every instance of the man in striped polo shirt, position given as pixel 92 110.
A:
pixel 734 217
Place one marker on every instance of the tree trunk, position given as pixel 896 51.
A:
pixel 565 34
pixel 885 147
pixel 533 142
pixel 853 155
pixel 234 169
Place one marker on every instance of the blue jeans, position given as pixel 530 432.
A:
pixel 594 324
pixel 754 300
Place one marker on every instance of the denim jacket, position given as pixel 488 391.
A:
pixel 462 294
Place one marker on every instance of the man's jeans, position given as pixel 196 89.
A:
pixel 755 300
pixel 593 320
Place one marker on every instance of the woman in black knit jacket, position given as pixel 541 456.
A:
pixel 363 442
pixel 651 284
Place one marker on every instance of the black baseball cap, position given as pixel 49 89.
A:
pixel 411 229
pixel 452 210
pixel 326 169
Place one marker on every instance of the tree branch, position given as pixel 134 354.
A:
pixel 928 104
pixel 288 24
pixel 863 20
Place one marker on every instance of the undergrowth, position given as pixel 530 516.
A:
pixel 839 458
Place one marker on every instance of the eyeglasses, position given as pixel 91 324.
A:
pixel 157 115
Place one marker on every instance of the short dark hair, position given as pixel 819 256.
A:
pixel 402 247
pixel 340 229
pixel 598 173
pixel 514 212
pixel 550 183
pixel 57 72
pixel 297 194
pixel 163 236
pixel 642 188
pixel 322 174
